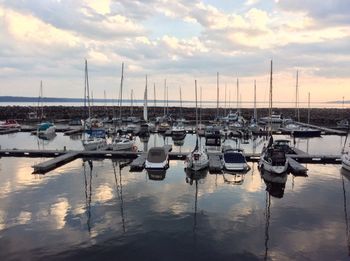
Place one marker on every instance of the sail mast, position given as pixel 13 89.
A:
pixel 180 103
pixel 200 105
pixel 255 112
pixel 195 84
pixel 145 116
pixel 308 112
pixel 225 97
pixel 217 95
pixel 87 88
pixel 155 101
pixel 270 102
pixel 132 102
pixel 238 96
pixel 297 113
pixel 164 96
pixel 121 93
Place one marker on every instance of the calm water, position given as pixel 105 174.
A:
pixel 95 210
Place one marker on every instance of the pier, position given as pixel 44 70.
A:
pixel 324 130
pixel 61 157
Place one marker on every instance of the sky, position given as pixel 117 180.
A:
pixel 177 40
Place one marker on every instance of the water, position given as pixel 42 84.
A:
pixel 95 210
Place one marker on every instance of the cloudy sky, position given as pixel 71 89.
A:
pixel 179 41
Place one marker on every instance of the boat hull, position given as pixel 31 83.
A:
pixel 346 162
pixel 275 169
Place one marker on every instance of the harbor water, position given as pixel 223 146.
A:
pixel 98 209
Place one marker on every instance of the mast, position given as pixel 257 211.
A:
pixel 195 85
pixel 155 102
pixel 132 102
pixel 255 112
pixel 180 103
pixel 308 112
pixel 217 95
pixel 225 96
pixel 87 88
pixel 164 97
pixel 297 113
pixel 270 103
pixel 167 100
pixel 200 105
pixel 40 102
pixel 121 93
pixel 145 116
pixel 237 96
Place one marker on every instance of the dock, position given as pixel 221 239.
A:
pixel 10 130
pixel 61 157
pixel 324 130
pixel 73 131
pixel 215 163
pixel 54 163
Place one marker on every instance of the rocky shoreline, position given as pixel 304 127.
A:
pixel 323 117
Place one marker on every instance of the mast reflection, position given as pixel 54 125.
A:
pixel 119 187
pixel 275 185
pixel 347 176
pixel 195 176
pixel 88 192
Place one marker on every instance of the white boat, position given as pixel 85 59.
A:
pixel 234 160
pixel 9 124
pixel 46 128
pixel 198 159
pixel 273 158
pixel 123 143
pixel 274 119
pixel 93 137
pixel 94 143
pixel 178 130
pixel 132 128
pixel 157 158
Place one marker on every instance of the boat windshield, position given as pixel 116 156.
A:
pixel 156 155
pixel 233 157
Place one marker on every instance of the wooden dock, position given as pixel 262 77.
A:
pixel 215 163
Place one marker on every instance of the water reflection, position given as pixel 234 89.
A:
pixel 119 188
pixel 88 191
pixel 345 173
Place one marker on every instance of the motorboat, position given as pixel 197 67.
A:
pixel 156 174
pixel 273 159
pixel 123 143
pixel 163 127
pixel 274 119
pixel 132 128
pixel 178 131
pixel 234 160
pixel 94 143
pixel 76 122
pixel 46 128
pixel 157 158
pixel 231 117
pixel 144 130
pixel 343 124
pixel 9 124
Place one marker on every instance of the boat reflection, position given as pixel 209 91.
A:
pixel 156 174
pixel 345 173
pixel 275 184
pixel 195 176
pixel 48 137
pixel 179 142
pixel 238 178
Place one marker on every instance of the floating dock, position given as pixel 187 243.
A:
pixel 324 130
pixel 54 163
pixel 10 130
pixel 61 157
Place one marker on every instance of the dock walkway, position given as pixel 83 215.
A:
pixel 324 130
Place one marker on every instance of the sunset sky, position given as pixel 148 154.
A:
pixel 179 40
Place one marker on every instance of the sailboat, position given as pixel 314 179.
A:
pixel 122 142
pixel 273 158
pixel 198 159
pixel 178 131
pixel 91 139
pixel 254 127
pixel 45 129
